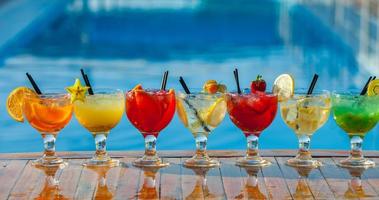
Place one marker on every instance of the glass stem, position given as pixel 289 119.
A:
pixel 100 142
pixel 252 145
pixel 356 147
pixel 201 145
pixel 304 143
pixel 150 145
pixel 49 144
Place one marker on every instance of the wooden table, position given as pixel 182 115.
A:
pixel 20 180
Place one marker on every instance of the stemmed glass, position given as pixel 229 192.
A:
pixel 150 111
pixel 201 112
pixel 48 113
pixel 356 115
pixel 51 188
pixel 99 113
pixel 252 113
pixel 304 114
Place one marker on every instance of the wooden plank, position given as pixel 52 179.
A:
pixel 27 182
pixel 297 185
pixel 231 177
pixel 276 186
pixel 170 181
pixel 9 174
pixel 372 176
pixel 69 179
pixel 128 180
pixel 87 184
pixel 357 187
pixel 214 189
pixel 107 179
pixel 186 154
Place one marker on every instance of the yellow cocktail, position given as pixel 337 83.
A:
pixel 304 114
pixel 99 113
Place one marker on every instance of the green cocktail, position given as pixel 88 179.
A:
pixel 356 115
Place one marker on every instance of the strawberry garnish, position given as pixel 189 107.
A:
pixel 258 85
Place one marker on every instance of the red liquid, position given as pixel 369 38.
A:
pixel 252 113
pixel 150 111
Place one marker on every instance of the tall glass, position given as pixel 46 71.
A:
pixel 252 113
pixel 150 111
pixel 48 113
pixel 356 115
pixel 99 113
pixel 201 113
pixel 305 114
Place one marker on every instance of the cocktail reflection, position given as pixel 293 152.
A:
pixel 251 188
pixel 102 190
pixel 201 189
pixel 354 186
pixel 50 188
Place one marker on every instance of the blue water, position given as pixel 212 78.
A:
pixel 121 45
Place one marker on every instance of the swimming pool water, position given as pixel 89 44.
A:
pixel 120 46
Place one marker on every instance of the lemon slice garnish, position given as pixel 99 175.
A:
pixel 181 112
pixel 283 87
pixel 373 88
pixel 15 100
pixel 216 112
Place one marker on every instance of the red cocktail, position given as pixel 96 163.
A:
pixel 252 113
pixel 150 111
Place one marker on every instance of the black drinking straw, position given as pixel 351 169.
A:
pixel 373 78
pixel 34 84
pixel 237 80
pixel 164 80
pixel 312 85
pixel 184 85
pixel 364 89
pixel 86 80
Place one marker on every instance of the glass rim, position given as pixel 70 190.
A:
pixel 197 93
pixel 153 90
pixel 105 91
pixel 269 94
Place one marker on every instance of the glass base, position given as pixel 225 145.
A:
pixel 51 161
pixel 195 161
pixel 351 162
pixel 307 163
pixel 102 161
pixel 252 161
pixel 150 161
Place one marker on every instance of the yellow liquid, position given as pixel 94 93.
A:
pixel 306 115
pixel 100 112
pixel 210 111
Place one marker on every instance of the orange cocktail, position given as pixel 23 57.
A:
pixel 48 113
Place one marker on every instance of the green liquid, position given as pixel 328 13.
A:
pixel 356 115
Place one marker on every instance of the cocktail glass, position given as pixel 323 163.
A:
pixel 356 115
pixel 201 113
pixel 150 111
pixel 252 113
pixel 48 113
pixel 305 114
pixel 99 113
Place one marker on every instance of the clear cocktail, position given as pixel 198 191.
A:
pixel 252 113
pixel 200 113
pixel 150 111
pixel 305 114
pixel 99 113
pixel 48 113
pixel 356 115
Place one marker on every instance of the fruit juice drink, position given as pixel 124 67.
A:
pixel 100 112
pixel 306 114
pixel 356 115
pixel 201 113
pixel 48 113
pixel 150 111
pixel 252 113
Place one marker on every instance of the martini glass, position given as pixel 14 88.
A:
pixel 200 113
pixel 150 111
pixel 356 115
pixel 252 113
pixel 305 114
pixel 99 113
pixel 48 113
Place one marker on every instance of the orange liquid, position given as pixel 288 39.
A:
pixel 48 115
